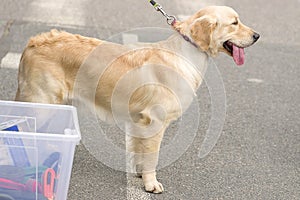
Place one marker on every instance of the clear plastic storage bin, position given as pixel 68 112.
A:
pixel 37 143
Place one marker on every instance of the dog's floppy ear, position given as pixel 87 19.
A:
pixel 201 31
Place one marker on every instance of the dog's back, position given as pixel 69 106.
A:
pixel 46 60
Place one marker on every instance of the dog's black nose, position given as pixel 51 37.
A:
pixel 256 37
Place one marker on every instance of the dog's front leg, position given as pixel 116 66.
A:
pixel 144 157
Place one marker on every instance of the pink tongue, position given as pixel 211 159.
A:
pixel 238 55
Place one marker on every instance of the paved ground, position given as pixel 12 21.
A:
pixel 258 153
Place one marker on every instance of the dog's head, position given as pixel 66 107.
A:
pixel 217 29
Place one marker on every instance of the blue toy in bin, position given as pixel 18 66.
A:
pixel 16 149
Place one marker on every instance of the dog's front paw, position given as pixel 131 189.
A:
pixel 154 186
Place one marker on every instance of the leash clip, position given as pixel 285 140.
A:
pixel 170 18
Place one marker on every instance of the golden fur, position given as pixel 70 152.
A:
pixel 51 63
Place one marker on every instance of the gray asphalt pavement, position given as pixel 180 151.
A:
pixel 258 153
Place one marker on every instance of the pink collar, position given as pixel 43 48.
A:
pixel 185 37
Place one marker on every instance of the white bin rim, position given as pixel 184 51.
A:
pixel 67 135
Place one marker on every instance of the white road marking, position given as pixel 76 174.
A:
pixel 255 80
pixel 11 60
pixel 129 38
pixel 182 17
pixel 189 7
pixel 67 12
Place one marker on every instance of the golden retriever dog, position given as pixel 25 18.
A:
pixel 51 62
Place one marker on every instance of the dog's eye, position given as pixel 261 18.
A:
pixel 235 23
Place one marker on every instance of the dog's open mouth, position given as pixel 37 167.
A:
pixel 236 52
